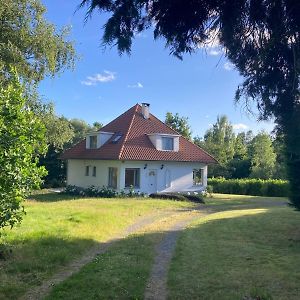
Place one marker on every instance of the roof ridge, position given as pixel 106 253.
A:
pixel 128 130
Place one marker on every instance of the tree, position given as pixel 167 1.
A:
pixel 240 163
pixel 260 37
pixel 32 48
pixel 180 124
pixel 30 44
pixel 21 142
pixel 220 142
pixel 59 132
pixel 263 157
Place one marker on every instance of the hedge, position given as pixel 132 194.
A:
pixel 254 187
pixel 181 196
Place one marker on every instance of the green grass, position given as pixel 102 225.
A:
pixel 249 248
pixel 58 228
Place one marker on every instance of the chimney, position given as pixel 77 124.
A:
pixel 145 110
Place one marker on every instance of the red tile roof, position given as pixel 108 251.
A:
pixel 135 143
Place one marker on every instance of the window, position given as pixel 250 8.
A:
pixel 198 177
pixel 87 170
pixel 116 138
pixel 132 178
pixel 94 171
pixel 113 177
pixel 93 142
pixel 167 143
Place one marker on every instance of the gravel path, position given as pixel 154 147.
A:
pixel 43 290
pixel 156 288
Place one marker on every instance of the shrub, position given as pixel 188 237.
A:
pixel 255 187
pixel 195 197
pixel 171 196
pixel 104 192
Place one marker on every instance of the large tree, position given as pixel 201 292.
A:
pixel 180 124
pixel 260 37
pixel 30 44
pixel 263 157
pixel 21 141
pixel 33 48
pixel 220 142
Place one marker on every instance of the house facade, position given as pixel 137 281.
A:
pixel 138 150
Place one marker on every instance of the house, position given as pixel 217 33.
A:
pixel 137 149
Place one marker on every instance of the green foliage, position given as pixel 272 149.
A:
pixel 22 138
pixel 181 196
pixel 219 141
pixel 261 38
pixel 30 44
pixel 263 157
pixel 180 124
pixel 255 187
pixel 104 192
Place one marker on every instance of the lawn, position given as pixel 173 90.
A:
pixel 250 248
pixel 58 228
pixel 246 247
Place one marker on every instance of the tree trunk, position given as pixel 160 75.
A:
pixel 290 124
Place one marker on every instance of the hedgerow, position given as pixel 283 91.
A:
pixel 255 187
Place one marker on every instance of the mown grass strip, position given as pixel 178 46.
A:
pixel 239 254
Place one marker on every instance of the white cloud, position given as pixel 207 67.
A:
pixel 135 86
pixel 106 76
pixel 228 66
pixel 214 51
pixel 240 126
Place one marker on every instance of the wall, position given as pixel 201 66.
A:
pixel 174 176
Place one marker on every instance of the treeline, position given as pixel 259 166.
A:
pixel 61 134
pixel 242 155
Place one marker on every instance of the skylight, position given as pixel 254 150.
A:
pixel 116 138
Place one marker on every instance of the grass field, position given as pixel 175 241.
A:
pixel 239 252
pixel 58 228
pixel 247 247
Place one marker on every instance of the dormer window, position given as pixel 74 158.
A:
pixel 93 142
pixel 167 143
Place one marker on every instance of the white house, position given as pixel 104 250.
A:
pixel 137 149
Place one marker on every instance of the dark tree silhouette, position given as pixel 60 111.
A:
pixel 260 37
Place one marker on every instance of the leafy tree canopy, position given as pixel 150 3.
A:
pixel 180 124
pixel 263 157
pixel 260 37
pixel 30 44
pixel 21 141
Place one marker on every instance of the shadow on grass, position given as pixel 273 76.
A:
pixel 238 255
pixel 51 197
pixel 30 261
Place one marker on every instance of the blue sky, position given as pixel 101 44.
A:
pixel 104 84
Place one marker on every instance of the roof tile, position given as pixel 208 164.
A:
pixel 135 143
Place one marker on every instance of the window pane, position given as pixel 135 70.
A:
pixel 94 171
pixel 87 170
pixel 198 177
pixel 132 178
pixel 93 142
pixel 167 143
pixel 113 177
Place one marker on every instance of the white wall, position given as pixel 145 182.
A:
pixel 76 172
pixel 180 174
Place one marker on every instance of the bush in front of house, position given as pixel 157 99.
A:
pixel 180 196
pixel 254 187
pixel 103 192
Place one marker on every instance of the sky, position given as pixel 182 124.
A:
pixel 104 84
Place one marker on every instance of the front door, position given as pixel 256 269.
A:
pixel 152 181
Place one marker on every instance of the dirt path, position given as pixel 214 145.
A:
pixel 156 288
pixel 43 290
